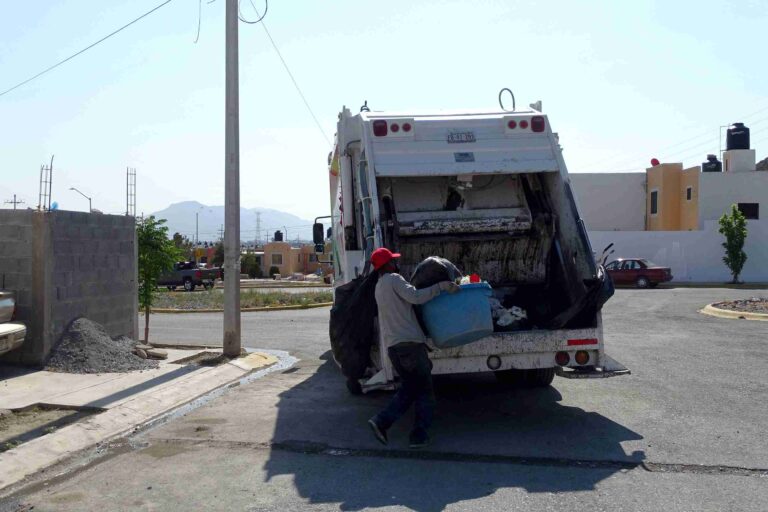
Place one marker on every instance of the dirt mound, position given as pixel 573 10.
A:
pixel 86 347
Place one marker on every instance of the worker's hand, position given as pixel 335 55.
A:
pixel 449 286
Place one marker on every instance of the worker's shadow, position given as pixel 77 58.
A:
pixel 487 436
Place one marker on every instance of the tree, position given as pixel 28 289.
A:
pixel 734 228
pixel 157 254
pixel 185 246
pixel 250 265
pixel 218 255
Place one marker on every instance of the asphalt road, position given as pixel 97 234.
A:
pixel 686 431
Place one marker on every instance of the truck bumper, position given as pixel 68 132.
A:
pixel 11 336
pixel 610 368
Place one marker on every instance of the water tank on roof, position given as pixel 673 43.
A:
pixel 278 236
pixel 737 137
pixel 712 164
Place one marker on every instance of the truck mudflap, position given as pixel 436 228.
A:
pixel 610 368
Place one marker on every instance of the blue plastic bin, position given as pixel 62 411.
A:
pixel 459 318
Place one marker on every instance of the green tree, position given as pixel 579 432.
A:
pixel 734 228
pixel 157 254
pixel 250 265
pixel 218 255
pixel 184 245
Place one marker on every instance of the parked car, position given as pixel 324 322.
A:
pixel 12 334
pixel 639 272
pixel 190 276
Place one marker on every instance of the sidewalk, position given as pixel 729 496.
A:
pixel 120 403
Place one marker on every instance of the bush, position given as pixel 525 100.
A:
pixel 250 265
pixel 273 271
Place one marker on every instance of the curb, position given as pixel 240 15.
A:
pixel 244 310
pixel 711 310
pixel 730 286
pixel 24 464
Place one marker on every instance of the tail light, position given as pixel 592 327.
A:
pixel 394 127
pixel 523 124
pixel 512 124
pixel 587 341
pixel 537 123
pixel 407 127
pixel 198 274
pixel 380 128
pixel 582 357
pixel 562 358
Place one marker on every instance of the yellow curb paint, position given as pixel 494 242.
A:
pixel 732 315
pixel 244 310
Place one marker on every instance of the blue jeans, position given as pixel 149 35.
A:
pixel 415 369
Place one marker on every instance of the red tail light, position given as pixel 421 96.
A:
pixel 523 124
pixel 562 358
pixel 394 127
pixel 537 124
pixel 380 128
pixel 407 127
pixel 588 341
pixel 512 124
pixel 198 274
pixel 582 357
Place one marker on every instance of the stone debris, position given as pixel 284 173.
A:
pixel 140 352
pixel 86 347
pixel 157 353
pixel 751 305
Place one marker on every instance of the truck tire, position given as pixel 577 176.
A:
pixel 208 286
pixel 171 288
pixel 534 378
pixel 354 387
pixel 189 285
pixel 642 282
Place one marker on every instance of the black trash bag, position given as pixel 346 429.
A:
pixel 351 328
pixel 429 272
pixel 434 270
pixel 584 309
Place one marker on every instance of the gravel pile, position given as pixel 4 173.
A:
pixel 753 305
pixel 86 347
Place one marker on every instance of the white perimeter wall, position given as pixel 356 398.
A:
pixel 719 190
pixel 611 201
pixel 693 256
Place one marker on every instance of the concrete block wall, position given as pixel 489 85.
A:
pixel 72 264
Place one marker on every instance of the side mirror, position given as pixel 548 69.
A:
pixel 318 233
pixel 320 248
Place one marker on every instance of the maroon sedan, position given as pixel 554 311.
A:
pixel 638 272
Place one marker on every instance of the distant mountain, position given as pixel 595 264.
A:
pixel 180 218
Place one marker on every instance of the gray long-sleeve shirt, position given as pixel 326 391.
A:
pixel 395 298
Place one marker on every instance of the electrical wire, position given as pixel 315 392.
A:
pixel 51 68
pixel 293 79
pixel 242 18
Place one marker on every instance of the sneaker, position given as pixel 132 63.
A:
pixel 418 439
pixel 380 433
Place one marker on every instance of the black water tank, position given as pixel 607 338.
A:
pixel 278 236
pixel 712 164
pixel 737 137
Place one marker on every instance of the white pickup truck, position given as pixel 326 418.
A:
pixel 488 190
pixel 11 334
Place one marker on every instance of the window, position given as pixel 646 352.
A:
pixel 688 193
pixel 750 210
pixel 277 259
pixel 614 265
pixel 630 265
pixel 654 202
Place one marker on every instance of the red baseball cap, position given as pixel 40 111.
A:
pixel 382 256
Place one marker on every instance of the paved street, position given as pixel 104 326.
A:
pixel 686 431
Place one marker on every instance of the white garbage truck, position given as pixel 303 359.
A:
pixel 489 191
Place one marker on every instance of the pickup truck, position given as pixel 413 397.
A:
pixel 190 276
pixel 11 333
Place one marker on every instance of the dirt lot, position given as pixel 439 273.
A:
pixel 22 426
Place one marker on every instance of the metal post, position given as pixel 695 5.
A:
pixel 232 189
pixel 196 227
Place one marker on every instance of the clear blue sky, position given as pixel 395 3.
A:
pixel 621 81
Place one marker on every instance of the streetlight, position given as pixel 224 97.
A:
pixel 90 208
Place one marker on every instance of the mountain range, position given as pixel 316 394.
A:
pixel 180 218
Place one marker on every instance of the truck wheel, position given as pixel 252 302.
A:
pixel 208 286
pixel 354 387
pixel 535 378
pixel 189 285
pixel 171 288
pixel 642 282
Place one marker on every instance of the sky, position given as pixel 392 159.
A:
pixel 621 82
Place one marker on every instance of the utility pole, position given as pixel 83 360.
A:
pixel 232 345
pixel 258 230
pixel 14 202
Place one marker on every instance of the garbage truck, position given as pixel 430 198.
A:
pixel 489 191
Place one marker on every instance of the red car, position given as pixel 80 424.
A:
pixel 639 272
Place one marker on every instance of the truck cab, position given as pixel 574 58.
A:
pixel 489 191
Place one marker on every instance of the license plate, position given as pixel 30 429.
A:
pixel 460 137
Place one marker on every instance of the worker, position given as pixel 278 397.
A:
pixel 406 346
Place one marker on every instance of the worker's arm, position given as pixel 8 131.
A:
pixel 409 293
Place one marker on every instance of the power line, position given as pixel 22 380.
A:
pixel 287 69
pixel 84 49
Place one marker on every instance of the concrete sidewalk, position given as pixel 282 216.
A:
pixel 127 401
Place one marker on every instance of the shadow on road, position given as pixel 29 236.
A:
pixel 527 438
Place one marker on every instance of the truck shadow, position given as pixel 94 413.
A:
pixel 487 436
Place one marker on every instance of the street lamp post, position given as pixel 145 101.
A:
pixel 90 208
